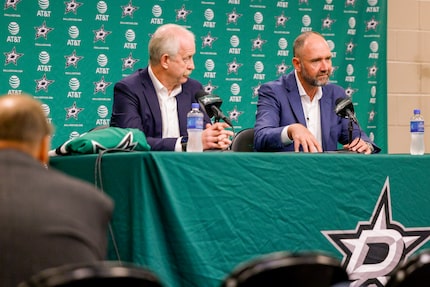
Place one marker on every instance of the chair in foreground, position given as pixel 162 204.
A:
pixel 414 273
pixel 289 269
pixel 104 273
pixel 243 141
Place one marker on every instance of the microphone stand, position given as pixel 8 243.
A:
pixel 350 129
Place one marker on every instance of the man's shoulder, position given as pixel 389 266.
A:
pixel 135 76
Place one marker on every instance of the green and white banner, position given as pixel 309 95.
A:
pixel 69 54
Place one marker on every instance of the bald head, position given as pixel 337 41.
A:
pixel 22 122
pixel 302 39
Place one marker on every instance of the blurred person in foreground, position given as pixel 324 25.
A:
pixel 296 111
pixel 47 219
pixel 156 99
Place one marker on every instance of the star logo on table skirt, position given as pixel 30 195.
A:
pixel 375 248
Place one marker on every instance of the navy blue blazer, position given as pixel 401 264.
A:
pixel 135 105
pixel 279 105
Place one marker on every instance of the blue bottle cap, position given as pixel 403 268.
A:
pixel 195 105
pixel 417 111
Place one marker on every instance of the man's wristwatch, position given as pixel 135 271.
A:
pixel 184 141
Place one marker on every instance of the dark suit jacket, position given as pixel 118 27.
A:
pixel 47 219
pixel 279 105
pixel 135 105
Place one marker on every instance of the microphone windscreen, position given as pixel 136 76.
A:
pixel 200 94
pixel 343 104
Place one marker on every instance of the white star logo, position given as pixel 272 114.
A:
pixel 376 247
pixel 281 20
pixel 11 3
pixel 101 34
pixel 258 43
pixel 181 14
pixel 208 40
pixel 73 59
pixel 209 88
pixel 43 84
pixel 73 111
pixel 234 114
pixel 72 6
pixel 233 17
pixel 42 31
pixel 233 67
pixel 128 63
pixel 282 68
pixel 101 86
pixel 128 10
pixel 327 22
pixel 12 57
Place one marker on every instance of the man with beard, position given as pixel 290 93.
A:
pixel 296 111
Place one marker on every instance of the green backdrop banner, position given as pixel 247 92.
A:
pixel 69 54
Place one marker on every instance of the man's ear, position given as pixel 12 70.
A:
pixel 296 63
pixel 45 145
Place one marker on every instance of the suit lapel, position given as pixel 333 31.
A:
pixel 294 99
pixel 152 101
pixel 183 109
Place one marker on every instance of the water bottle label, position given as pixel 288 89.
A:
pixel 417 126
pixel 195 123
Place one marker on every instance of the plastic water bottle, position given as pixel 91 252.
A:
pixel 195 129
pixel 417 133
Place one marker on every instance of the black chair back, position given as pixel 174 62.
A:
pixel 288 269
pixel 243 141
pixel 106 274
pixel 414 273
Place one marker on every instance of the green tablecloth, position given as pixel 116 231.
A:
pixel 191 218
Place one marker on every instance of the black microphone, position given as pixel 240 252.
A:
pixel 345 109
pixel 211 104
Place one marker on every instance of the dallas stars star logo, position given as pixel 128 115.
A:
pixel 350 91
pixel 371 71
pixel 128 10
pixel 375 248
pixel 43 84
pixel 372 24
pixel 12 57
pixel 327 22
pixel 350 47
pixel 350 3
pixel 128 63
pixel 258 43
pixel 101 34
pixel 11 3
pixel 281 20
pixel 73 111
pixel 234 114
pixel 125 144
pixel 233 17
pixel 42 31
pixel 72 6
pixel 209 88
pixel 208 40
pixel 233 67
pixel 73 59
pixel 282 68
pixel 181 14
pixel 101 86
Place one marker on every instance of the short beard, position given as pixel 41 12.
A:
pixel 313 81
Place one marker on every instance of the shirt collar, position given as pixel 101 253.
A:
pixel 159 87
